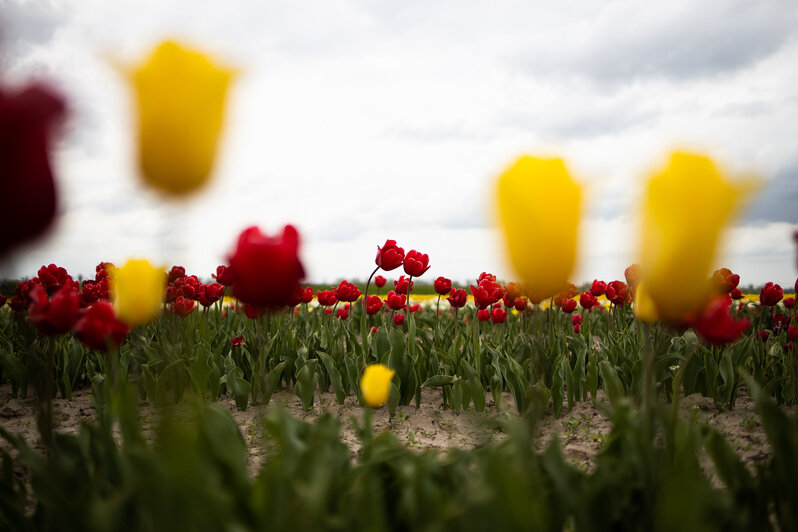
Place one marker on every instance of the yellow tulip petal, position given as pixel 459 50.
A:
pixel 539 206
pixel 137 291
pixel 686 207
pixel 375 384
pixel 645 309
pixel 181 97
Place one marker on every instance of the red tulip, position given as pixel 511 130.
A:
pixel 415 308
pixel 183 306
pixel 576 319
pixel 3 300
pixel 587 300
pixel 568 306
pixel 375 329
pixel 379 281
pixel 520 303
pixel 487 293
pixel 254 311
pixel 716 326
pixel 326 298
pixel 724 281
pixel 373 305
pixel 328 311
pixel 736 294
pixel 442 285
pixel 788 302
pixel 486 276
pixel 395 301
pixel 577 328
pixel 29 196
pixel 398 319
pixel 53 277
pixel 343 312
pixel 307 295
pixel 237 341
pixel 99 327
pixel 401 286
pixel 762 336
pixel 176 273
pixel 389 256
pixel 224 276
pixel 210 294
pixel 483 314
pixel 57 315
pixel 792 333
pixel 498 315
pixel 770 294
pixel 457 298
pixel 598 287
pixel 618 293
pixel 347 291
pixel 266 270
pixel 415 263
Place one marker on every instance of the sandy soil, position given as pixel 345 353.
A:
pixel 582 431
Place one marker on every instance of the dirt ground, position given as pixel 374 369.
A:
pixel 582 431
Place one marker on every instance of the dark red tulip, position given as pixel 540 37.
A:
pixel 326 298
pixel 486 276
pixel 770 294
pixel 379 281
pixel 442 285
pixel 224 276
pixel 487 293
pixel 577 328
pixel 483 314
pixel 457 298
pixel 99 327
pixel 415 263
pixel 762 336
pixel 347 292
pixel 307 295
pixel 724 281
pixel 395 301
pixel 520 303
pixel 498 315
pixel 53 277
pixel 568 306
pixel 389 256
pixel 328 310
pixel 375 329
pixel 587 300
pixel 266 269
pixel 237 341
pixel 343 312
pixel 254 311
pixel 598 288
pixel 401 286
pixel 736 294
pixel 26 179
pixel 416 308
pixel 57 315
pixel 373 305
pixel 183 306
pixel 716 325
pixel 3 300
pixel 176 273
pixel 399 319
pixel 792 333
pixel 618 293
pixel 788 302
pixel 576 319
pixel 210 294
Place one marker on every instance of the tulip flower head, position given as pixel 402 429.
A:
pixel 375 384
pixel 390 256
pixel 457 298
pixel 416 263
pixel 347 292
pixel 399 319
pixel 403 285
pixel 442 285
pixel 540 241
pixel 137 291
pixel 568 306
pixel 686 206
pixel 373 305
pixel 181 99
pixel 57 315
pixel 770 294
pixel 379 281
pixel 326 298
pixel 716 326
pixel 498 316
pixel 99 328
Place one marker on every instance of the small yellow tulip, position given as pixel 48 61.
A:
pixel 686 207
pixel 137 291
pixel 180 96
pixel 375 384
pixel 539 207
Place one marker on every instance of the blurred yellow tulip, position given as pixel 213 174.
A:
pixel 137 291
pixel 539 206
pixel 645 309
pixel 375 384
pixel 181 97
pixel 686 206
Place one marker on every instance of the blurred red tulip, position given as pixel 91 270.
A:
pixel 57 315
pixel 587 300
pixel 598 287
pixel 618 293
pixel 788 302
pixel 182 306
pixel 53 277
pixel 457 298
pixel 736 294
pixel 347 292
pixel 389 256
pixel 254 311
pixel 442 285
pixel 99 327
pixel 632 274
pixel 770 294
pixel 307 295
pixel 792 333
pixel 210 294
pixel 498 315
pixel 568 306
pixel 724 281
pixel 716 326
pixel 343 312
pixel 176 273
pixel 237 341
pixel 373 305
pixel 326 298
pixel 379 281
pixel 399 319
pixel 520 303
pixel 224 276
pixel 576 319
pixel 266 269
pixel 375 329
pixel 401 286
pixel 762 336
pixel 483 314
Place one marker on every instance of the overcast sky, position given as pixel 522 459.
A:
pixel 359 121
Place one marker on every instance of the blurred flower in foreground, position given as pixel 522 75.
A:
pixel 375 384
pixel 98 328
pixel 29 197
pixel 686 206
pixel 266 269
pixel 181 96
pixel 541 239
pixel 716 326
pixel 137 291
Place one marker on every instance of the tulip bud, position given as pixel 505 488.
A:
pixel 137 289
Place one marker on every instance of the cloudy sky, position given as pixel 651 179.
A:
pixel 359 121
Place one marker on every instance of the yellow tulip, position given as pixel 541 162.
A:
pixel 375 384
pixel 181 98
pixel 539 207
pixel 645 309
pixel 137 291
pixel 686 206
